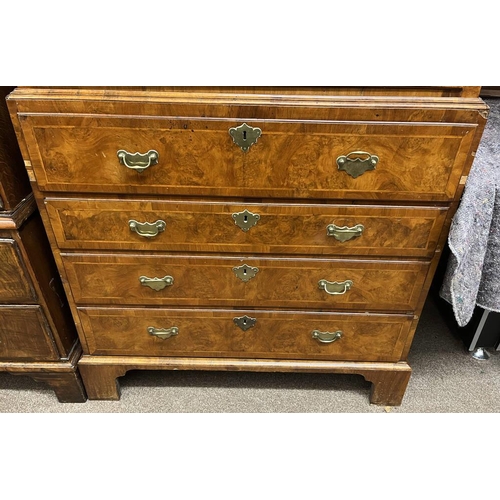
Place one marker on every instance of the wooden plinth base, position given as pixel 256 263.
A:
pixel 100 374
pixel 62 376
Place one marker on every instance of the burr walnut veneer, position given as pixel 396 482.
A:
pixel 265 229
pixel 37 333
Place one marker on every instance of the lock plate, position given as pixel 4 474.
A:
pixel 245 136
pixel 245 322
pixel 245 220
pixel 245 273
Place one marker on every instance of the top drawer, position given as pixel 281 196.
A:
pixel 290 159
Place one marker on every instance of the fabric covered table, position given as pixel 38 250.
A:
pixel 472 276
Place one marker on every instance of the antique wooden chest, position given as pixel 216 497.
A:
pixel 266 229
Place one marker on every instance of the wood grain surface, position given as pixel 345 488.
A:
pixel 198 157
pixel 211 281
pixel 383 91
pixel 25 335
pixel 282 334
pixel 16 286
pixel 208 226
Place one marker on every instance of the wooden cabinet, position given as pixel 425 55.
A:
pixel 281 229
pixel 37 333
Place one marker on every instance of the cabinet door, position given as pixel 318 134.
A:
pixel 15 284
pixel 25 335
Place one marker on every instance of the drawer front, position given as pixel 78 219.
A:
pixel 245 282
pixel 25 335
pixel 290 159
pixel 215 333
pixel 268 228
pixel 15 284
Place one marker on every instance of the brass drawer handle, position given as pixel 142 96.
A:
pixel 245 136
pixel 327 337
pixel 156 284
pixel 344 233
pixel 147 229
pixel 163 333
pixel 137 161
pixel 357 163
pixel 334 287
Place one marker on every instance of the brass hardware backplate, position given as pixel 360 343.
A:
pixel 245 136
pixel 344 233
pixel 147 229
pixel 334 287
pixel 357 163
pixel 157 284
pixel 245 220
pixel 138 161
pixel 326 337
pixel 245 322
pixel 163 333
pixel 245 273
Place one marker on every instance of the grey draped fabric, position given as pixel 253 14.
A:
pixel 473 270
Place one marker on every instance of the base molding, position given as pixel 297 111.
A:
pixel 61 376
pixel 100 373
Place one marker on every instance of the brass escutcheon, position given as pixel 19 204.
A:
pixel 245 220
pixel 245 273
pixel 357 163
pixel 245 322
pixel 245 136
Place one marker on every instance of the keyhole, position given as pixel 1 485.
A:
pixel 244 135
pixel 245 219
pixel 244 272
pixel 245 322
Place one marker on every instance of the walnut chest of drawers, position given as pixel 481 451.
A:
pixel 265 229
pixel 37 333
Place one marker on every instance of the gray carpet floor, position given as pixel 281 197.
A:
pixel 445 379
